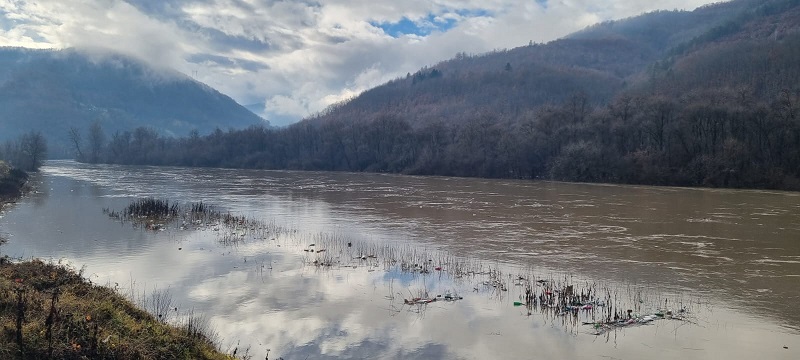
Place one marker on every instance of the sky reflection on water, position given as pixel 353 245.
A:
pixel 264 295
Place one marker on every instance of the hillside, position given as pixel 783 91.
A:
pixel 708 97
pixel 755 53
pixel 600 63
pixel 51 91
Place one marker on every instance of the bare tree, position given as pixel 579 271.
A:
pixel 33 149
pixel 77 142
pixel 97 140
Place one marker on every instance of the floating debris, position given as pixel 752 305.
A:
pixel 419 301
pixel 448 296
pixel 635 320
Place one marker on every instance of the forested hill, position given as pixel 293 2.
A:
pixel 709 97
pixel 51 91
pixel 600 63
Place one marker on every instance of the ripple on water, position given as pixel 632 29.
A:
pixel 673 239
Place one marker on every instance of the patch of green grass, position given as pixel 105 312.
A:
pixel 64 316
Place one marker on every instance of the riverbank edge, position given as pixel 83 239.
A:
pixel 50 311
pixel 794 187
pixel 13 184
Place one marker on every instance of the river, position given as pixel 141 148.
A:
pixel 730 257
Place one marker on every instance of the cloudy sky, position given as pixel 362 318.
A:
pixel 294 58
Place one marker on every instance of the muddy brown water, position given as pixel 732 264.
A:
pixel 733 254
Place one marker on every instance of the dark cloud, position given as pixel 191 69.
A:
pixel 227 62
pixel 336 39
pixel 221 42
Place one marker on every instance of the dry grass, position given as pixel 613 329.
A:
pixel 48 311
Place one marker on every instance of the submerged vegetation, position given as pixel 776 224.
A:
pixel 49 311
pixel 151 208
pixel 576 302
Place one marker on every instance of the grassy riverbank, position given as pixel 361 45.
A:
pixel 50 311
pixel 12 183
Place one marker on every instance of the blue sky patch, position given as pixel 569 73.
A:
pixel 542 3
pixel 425 26
pixel 5 23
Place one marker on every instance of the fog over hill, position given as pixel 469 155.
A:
pixel 600 63
pixel 51 91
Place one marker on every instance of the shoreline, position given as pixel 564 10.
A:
pixel 13 184
pixel 50 310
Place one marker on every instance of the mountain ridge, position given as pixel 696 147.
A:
pixel 601 62
pixel 54 90
pixel 718 106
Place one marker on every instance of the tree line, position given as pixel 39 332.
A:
pixel 718 138
pixel 27 152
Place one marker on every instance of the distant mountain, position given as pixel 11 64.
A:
pixel 672 52
pixel 51 91
pixel 256 108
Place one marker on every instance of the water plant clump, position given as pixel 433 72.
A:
pixel 200 208
pixel 151 208
pixel 160 214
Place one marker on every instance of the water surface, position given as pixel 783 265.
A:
pixel 734 256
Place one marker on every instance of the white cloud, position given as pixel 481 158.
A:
pixel 297 57
pixel 285 105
